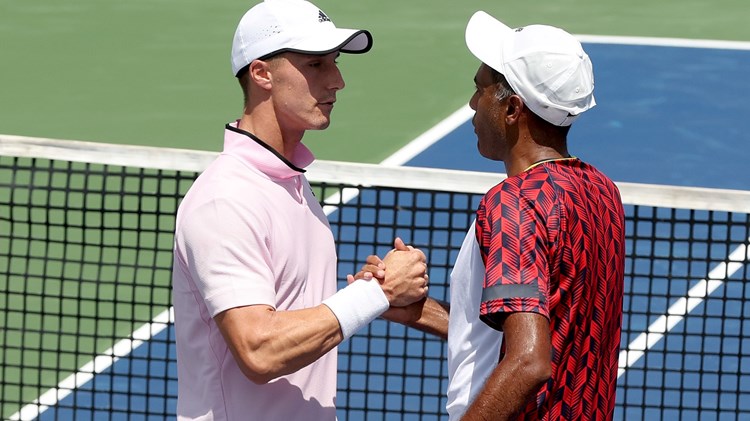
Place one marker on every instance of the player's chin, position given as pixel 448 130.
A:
pixel 320 126
pixel 321 122
pixel 486 149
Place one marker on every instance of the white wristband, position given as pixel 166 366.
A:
pixel 357 305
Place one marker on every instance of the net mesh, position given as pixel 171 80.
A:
pixel 85 274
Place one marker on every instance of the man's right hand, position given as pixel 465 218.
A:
pixel 424 314
pixel 405 280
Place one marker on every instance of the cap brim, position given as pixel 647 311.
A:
pixel 484 35
pixel 353 41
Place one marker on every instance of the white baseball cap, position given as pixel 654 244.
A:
pixel 544 65
pixel 277 26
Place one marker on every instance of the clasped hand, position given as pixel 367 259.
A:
pixel 402 274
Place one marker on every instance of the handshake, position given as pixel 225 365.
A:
pixel 402 274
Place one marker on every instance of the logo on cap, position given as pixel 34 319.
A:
pixel 322 17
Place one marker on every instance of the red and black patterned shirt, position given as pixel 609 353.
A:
pixel 552 240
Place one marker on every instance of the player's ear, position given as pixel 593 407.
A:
pixel 260 74
pixel 514 109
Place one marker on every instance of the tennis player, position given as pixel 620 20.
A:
pixel 533 325
pixel 257 314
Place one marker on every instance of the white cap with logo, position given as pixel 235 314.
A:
pixel 276 26
pixel 544 65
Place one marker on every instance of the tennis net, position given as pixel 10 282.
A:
pixel 86 234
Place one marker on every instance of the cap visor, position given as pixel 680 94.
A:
pixel 484 35
pixel 338 39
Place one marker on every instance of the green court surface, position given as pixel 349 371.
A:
pixel 76 275
pixel 156 72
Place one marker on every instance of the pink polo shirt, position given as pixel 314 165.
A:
pixel 248 232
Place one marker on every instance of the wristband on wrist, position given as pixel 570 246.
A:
pixel 357 305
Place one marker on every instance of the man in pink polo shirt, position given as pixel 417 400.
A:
pixel 257 314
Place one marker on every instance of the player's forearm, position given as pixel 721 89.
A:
pixel 268 343
pixel 509 388
pixel 284 342
pixel 525 367
pixel 434 318
pixel 429 316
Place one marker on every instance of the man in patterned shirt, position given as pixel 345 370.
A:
pixel 534 321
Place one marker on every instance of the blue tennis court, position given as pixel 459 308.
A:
pixel 665 115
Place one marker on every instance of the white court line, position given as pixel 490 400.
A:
pixel 682 307
pixel 430 137
pixel 665 42
pixel 101 363
pixel 407 152
pixel 403 155
pixel 716 277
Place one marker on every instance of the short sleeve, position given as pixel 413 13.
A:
pixel 226 252
pixel 511 234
